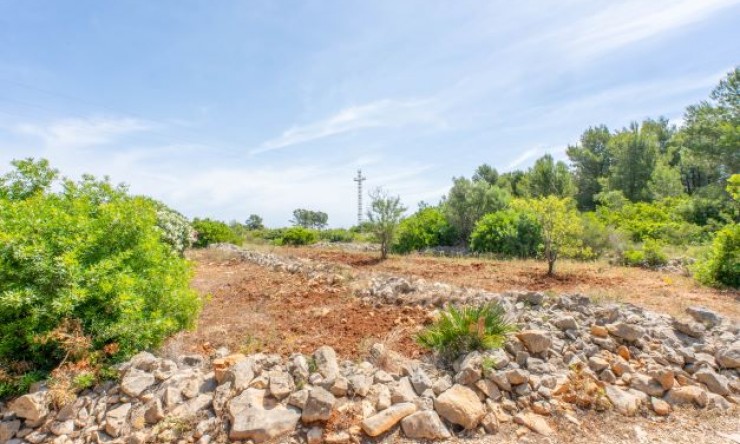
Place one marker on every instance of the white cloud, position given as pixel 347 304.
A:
pixel 522 158
pixel 381 113
pixel 83 132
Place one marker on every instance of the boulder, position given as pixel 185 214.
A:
pixel 135 382
pixel 424 425
pixel 715 382
pixel 628 332
pixel 403 391
pixel 319 405
pixel 693 329
pixel 460 405
pixel 647 385
pixel 115 419
pixel 705 316
pixel 565 323
pixel 8 429
pixel 240 375
pixel 536 341
pixel 689 394
pixel 383 421
pixel 220 365
pixel 260 424
pixel 281 385
pixel 729 357
pixel 624 402
pixel 32 407
pixel 534 422
pixel 420 380
pixel 326 362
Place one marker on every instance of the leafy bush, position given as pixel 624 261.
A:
pixel 597 237
pixel 336 235
pixel 650 255
pixel 213 232
pixel 633 258
pixel 659 220
pixel 459 331
pixel 722 265
pixel 426 228
pixel 298 236
pixel 176 229
pixel 90 256
pixel 508 232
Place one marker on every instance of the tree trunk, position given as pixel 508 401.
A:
pixel 550 267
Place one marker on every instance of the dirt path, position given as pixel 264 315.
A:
pixel 659 291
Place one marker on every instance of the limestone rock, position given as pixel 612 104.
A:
pixel 689 394
pixel 115 419
pixel 424 425
pixel 135 382
pixel 260 424
pixel 403 391
pixel 599 331
pixel 460 405
pixel 220 365
pixel 715 382
pixel 8 429
pixel 281 385
pixel 326 362
pixel 624 402
pixel 660 407
pixel 628 332
pixel 729 357
pixel 32 407
pixel 319 405
pixel 534 422
pixel 240 375
pixel 536 341
pixel 647 385
pixel 565 323
pixel 383 421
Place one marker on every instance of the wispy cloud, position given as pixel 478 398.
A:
pixel 381 113
pixel 522 158
pixel 83 132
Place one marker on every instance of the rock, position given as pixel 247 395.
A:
pixel 729 357
pixel 339 386
pixel 154 411
pixel 599 331
pixel 240 375
pixel 220 397
pixel 135 382
pixel 665 377
pixel 62 428
pixel 693 329
pixel 424 425
pixel 420 380
pixel 534 422
pixel 715 382
pixel 470 369
pixel 705 316
pixel 460 405
pixel 315 435
pixel 597 363
pixel 384 397
pixel 319 405
pixel 717 402
pixel 260 425
pixel 628 332
pixel 403 391
pixel 536 341
pixel 326 362
pixel 660 407
pixel 625 403
pixel 689 394
pixel 531 298
pixel 489 388
pixel 517 376
pixel 442 384
pixel 565 323
pixel 624 352
pixel 383 421
pixel 8 429
pixel 281 385
pixel 115 419
pixel 220 365
pixel 360 384
pixel 298 398
pixel 32 407
pixel 647 385
pixel 193 406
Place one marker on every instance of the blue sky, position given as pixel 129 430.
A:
pixel 228 108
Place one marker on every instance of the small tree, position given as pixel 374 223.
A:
pixel 560 224
pixel 254 222
pixel 468 201
pixel 310 219
pixel 384 216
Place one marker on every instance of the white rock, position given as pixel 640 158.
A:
pixel 460 405
pixel 424 425
pixel 383 421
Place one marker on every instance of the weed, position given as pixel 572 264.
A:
pixel 83 381
pixel 312 366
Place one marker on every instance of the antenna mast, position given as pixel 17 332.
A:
pixel 359 179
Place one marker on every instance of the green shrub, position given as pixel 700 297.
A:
pixel 507 232
pixel 721 266
pixel 427 228
pixel 298 236
pixel 597 237
pixel 92 256
pixel 660 220
pixel 84 380
pixel 653 252
pixel 176 229
pixel 213 232
pixel 459 331
pixel 633 258
pixel 336 235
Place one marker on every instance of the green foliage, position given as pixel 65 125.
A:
pixel 665 182
pixel 309 219
pixel 176 229
pixel 486 173
pixel 384 216
pixel 298 236
pixel 91 255
pixel 424 229
pixel 633 258
pixel 84 380
pixel 659 220
pixel 254 222
pixel 634 152
pixel 721 267
pixel 591 159
pixel 459 331
pixel 11 387
pixel 336 235
pixel 597 237
pixel 468 201
pixel 650 255
pixel 548 178
pixel 28 178
pixel 213 232
pixel 507 232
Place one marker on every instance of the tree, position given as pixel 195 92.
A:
pixel 548 178
pixel 665 181
pixel 213 232
pixel 468 201
pixel 512 182
pixel 560 224
pixel 309 219
pixel 384 216
pixel 30 177
pixel 591 160
pixel 486 173
pixel 634 154
pixel 254 222
pixel 424 229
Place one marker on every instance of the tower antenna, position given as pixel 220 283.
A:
pixel 359 179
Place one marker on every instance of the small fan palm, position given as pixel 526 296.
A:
pixel 461 330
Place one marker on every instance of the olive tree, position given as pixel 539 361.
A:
pixel 384 216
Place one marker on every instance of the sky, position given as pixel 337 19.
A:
pixel 228 108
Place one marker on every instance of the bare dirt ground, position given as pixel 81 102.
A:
pixel 655 290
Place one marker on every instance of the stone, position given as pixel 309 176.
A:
pixel 260 424
pixel 8 429
pixel 403 391
pixel 536 341
pixel 599 331
pixel 326 362
pixel 717 402
pixel 420 380
pixel 534 422
pixel 298 398
pixel 517 376
pixel 665 377
pixel 424 425
pixel 597 363
pixel 32 407
pixel 489 388
pixel 531 297
pixel 715 382
pixel 315 435
pixel 360 384
pixel 62 428
pixel 647 385
pixel 135 382
pixel 339 386
pixel 115 419
pixel 624 352
pixel 193 406
pixel 565 323
pixel 693 329
pixel 460 405
pixel 442 384
pixel 221 396
pixel 624 402
pixel 689 394
pixel 470 369
pixel 384 397
pixel 660 407
pixel 385 420
pixel 704 315
pixel 628 332
pixel 154 411
pixel 319 405
pixel 281 385
pixel 240 375
pixel 729 357
pixel 220 365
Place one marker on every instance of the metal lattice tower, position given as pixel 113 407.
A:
pixel 359 179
